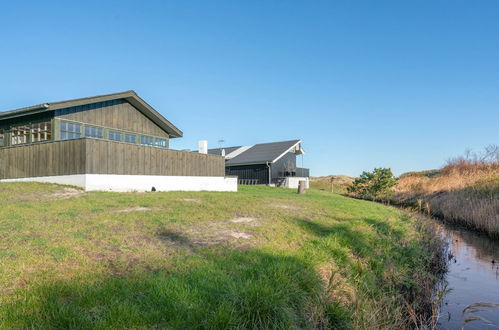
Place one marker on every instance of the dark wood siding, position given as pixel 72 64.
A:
pixel 88 156
pixel 259 172
pixel 114 114
pixel 43 159
pixel 107 157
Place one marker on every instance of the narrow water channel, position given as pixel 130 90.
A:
pixel 473 278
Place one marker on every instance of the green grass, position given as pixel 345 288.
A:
pixel 259 258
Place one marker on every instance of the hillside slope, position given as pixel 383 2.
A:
pixel 260 258
pixel 463 193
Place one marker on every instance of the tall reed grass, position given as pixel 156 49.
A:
pixel 465 191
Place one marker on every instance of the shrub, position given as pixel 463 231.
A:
pixel 374 185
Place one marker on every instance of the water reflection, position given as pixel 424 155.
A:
pixel 473 277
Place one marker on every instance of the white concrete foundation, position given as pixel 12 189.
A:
pixel 127 183
pixel 294 181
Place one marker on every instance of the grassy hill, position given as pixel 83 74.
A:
pixel 260 258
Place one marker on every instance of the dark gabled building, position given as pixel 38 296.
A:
pixel 107 142
pixel 264 163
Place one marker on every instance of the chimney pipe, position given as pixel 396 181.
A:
pixel 203 147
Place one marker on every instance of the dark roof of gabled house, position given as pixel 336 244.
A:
pixel 218 151
pixel 258 153
pixel 129 96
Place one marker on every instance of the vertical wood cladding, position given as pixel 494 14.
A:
pixel 88 156
pixel 258 172
pixel 115 114
pixel 43 159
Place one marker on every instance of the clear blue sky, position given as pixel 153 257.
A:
pixel 402 84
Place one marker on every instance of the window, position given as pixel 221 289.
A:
pixel 19 134
pixel 161 143
pixel 70 131
pixel 41 131
pixel 116 136
pixel 2 138
pixel 147 140
pixel 130 138
pixel 94 132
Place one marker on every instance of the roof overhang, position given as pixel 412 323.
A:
pixel 129 96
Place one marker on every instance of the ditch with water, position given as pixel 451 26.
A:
pixel 471 298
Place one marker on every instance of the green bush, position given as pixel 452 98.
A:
pixel 375 185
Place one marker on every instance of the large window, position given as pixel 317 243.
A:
pixel 116 136
pixel 41 131
pixel 20 134
pixel 70 131
pixel 2 138
pixel 94 132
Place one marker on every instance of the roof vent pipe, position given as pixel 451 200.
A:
pixel 203 147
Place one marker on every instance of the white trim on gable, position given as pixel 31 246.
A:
pixel 282 155
pixel 237 152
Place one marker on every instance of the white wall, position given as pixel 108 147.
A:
pixel 124 183
pixel 294 181
pixel 73 180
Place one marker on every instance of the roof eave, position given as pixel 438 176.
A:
pixel 249 163
pixel 24 111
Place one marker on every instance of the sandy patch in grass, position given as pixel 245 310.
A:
pixel 286 206
pixel 68 193
pixel 239 235
pixel 243 220
pixel 210 235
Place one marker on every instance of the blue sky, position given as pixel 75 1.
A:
pixel 400 84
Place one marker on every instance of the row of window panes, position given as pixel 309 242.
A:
pixel 94 132
pixel 29 133
pixel 115 136
pixel 130 138
pixel 70 131
pixel 73 131
pixel 41 131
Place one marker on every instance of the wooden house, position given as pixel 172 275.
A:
pixel 271 163
pixel 112 142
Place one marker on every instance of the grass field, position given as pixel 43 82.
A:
pixel 259 258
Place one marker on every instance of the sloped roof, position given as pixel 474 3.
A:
pixel 218 151
pixel 129 96
pixel 258 153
